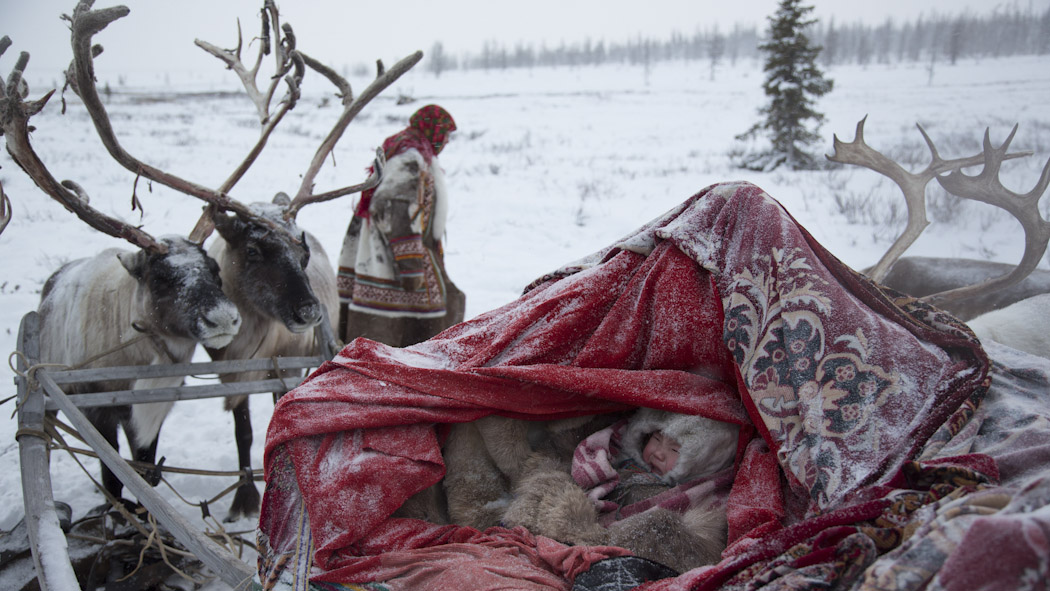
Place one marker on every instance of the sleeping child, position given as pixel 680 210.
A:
pixel 655 484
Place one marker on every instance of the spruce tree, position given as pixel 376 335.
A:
pixel 793 82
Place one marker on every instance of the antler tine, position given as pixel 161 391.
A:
pixel 5 209
pixel 351 108
pixel 986 187
pixel 373 180
pixel 232 59
pixel 912 185
pixel 15 128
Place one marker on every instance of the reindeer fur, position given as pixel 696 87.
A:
pixel 484 461
pixel 91 306
pixel 1024 326
pixel 549 503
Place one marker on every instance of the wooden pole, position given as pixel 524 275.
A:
pixel 54 571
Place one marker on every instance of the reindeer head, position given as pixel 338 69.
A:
pixel 264 266
pixel 179 293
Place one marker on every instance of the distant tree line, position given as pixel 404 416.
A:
pixel 946 38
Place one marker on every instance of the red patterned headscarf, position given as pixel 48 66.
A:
pixel 435 123
pixel 428 130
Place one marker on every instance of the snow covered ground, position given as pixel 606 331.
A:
pixel 547 166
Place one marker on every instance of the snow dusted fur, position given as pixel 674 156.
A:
pixel 549 503
pixel 1024 326
pixel 91 306
pixel 279 286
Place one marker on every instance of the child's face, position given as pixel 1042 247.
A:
pixel 660 453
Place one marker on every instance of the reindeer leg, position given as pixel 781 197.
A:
pixel 148 454
pixel 112 484
pixel 246 498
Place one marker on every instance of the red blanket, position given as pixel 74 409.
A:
pixel 723 307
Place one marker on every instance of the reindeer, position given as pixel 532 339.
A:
pixel 1024 325
pixel 278 276
pixel 283 288
pixel 922 276
pixel 145 307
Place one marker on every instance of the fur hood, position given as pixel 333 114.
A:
pixel 707 446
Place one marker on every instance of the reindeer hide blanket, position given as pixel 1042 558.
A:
pixel 876 451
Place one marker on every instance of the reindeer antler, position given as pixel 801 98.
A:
pixel 987 188
pixel 288 57
pixel 284 49
pixel 85 23
pixel 351 107
pixel 912 185
pixel 5 209
pixel 14 125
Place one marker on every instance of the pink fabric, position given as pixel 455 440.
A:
pixel 593 470
pixel 724 307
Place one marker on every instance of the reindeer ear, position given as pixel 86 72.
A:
pixel 134 262
pixel 230 227
pixel 282 199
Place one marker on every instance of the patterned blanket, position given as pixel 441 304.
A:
pixel 873 453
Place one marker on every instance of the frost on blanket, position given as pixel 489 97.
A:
pixel 858 408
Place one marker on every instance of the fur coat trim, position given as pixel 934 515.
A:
pixel 707 446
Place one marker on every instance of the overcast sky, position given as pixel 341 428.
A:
pixel 159 34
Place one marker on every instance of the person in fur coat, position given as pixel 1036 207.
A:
pixel 655 484
pixel 392 283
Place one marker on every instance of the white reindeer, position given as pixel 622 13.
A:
pixel 144 307
pixel 271 269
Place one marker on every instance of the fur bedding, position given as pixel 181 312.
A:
pixel 880 448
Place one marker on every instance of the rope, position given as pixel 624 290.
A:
pixel 51 436
pixel 277 374
pixel 256 474
pixel 33 432
pixel 54 424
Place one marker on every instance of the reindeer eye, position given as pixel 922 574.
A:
pixel 252 252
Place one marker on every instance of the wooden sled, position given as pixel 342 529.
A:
pixel 38 392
